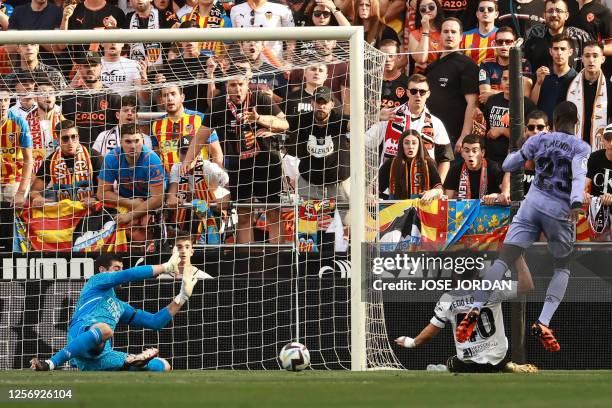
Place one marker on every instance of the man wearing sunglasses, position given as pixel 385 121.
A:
pixel 478 40
pixel 68 173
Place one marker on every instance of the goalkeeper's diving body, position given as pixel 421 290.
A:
pixel 98 311
pixel 552 207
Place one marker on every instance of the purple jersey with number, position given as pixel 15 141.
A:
pixel 560 171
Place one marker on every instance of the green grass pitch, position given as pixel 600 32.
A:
pixel 315 389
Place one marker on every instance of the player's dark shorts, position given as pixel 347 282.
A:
pixel 457 366
pixel 258 178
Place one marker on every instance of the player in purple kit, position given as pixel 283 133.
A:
pixel 552 206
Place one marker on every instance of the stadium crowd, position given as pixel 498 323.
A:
pixel 236 123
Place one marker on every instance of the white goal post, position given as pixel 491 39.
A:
pixel 359 324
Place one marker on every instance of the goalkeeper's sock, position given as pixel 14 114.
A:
pixel 495 273
pixel 554 295
pixel 78 347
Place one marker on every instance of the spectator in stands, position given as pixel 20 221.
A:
pixel 6 10
pixel 25 103
pixel 536 122
pixel 520 15
pixel 425 39
pixel 464 11
pixel 299 101
pixel 591 92
pixel 596 19
pixel 266 78
pixel 540 37
pixel 497 115
pixel 176 123
pixel 599 173
pixel 68 173
pixel 205 181
pixel 90 111
pixel 209 14
pixel 96 14
pixel 109 139
pixel 16 161
pixel 320 141
pixel 476 177
pixel 121 74
pixel 394 91
pixel 414 115
pixel 262 13
pixel 410 174
pixel 453 79
pixel 368 15
pixel 140 179
pixel 337 73
pixel 30 64
pixel 551 80
pixel 489 77
pixel 244 121
pixel 147 17
pixel 482 37
pixel 43 122
pixel 325 13
pixel 38 15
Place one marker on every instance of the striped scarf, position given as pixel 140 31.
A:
pixel 575 94
pixel 195 185
pixel 75 185
pixel 395 127
pixel 40 140
pixel 414 179
pixel 464 192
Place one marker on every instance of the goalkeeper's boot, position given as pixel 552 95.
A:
pixel 546 336
pixel 142 359
pixel 39 365
pixel 520 368
pixel 466 327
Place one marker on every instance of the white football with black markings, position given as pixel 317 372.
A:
pixel 294 357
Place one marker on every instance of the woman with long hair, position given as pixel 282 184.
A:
pixel 368 15
pixel 324 13
pixel 411 173
pixel 425 38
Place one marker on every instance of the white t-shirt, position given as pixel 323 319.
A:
pixel 107 141
pixel 120 75
pixel 490 344
pixel 268 15
pixel 175 177
pixel 375 136
pixel 19 110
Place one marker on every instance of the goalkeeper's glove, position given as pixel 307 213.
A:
pixel 172 265
pixel 405 341
pixel 189 281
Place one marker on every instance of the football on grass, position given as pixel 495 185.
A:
pixel 294 357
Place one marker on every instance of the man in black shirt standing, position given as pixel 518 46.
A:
pixel 244 120
pixel 321 144
pixel 453 79
pixel 395 83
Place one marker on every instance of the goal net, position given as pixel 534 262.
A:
pixel 251 146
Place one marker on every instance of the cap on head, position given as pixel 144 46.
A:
pixel 322 93
pixel 88 58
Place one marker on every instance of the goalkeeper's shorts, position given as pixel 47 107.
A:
pixel 455 365
pixel 105 360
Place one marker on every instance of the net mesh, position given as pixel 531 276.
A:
pixel 263 193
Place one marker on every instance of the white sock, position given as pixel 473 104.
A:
pixel 51 365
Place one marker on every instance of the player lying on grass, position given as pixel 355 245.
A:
pixel 552 207
pixel 485 351
pixel 98 312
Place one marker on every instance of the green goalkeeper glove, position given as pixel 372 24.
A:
pixel 189 281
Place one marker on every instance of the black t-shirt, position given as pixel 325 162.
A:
pixel 599 170
pixel 464 10
pixel 24 18
pixel 537 46
pixel 384 178
pixel 394 92
pixel 323 150
pixel 595 19
pixel 450 79
pixel 495 108
pixel 233 136
pixel 495 176
pixel 534 9
pixel 92 114
pixel 44 173
pixel 85 19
